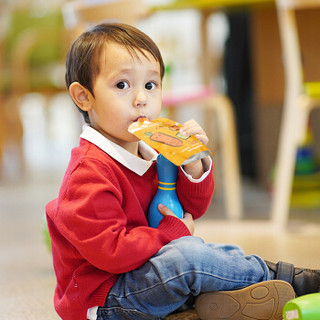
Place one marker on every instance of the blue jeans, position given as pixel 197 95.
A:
pixel 184 267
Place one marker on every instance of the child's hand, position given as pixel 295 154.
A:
pixel 187 219
pixel 191 127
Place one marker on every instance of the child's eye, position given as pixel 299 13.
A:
pixel 122 85
pixel 150 85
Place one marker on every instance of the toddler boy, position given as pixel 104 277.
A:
pixel 109 263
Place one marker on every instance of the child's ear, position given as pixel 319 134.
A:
pixel 81 96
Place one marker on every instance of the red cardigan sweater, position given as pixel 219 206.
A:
pixel 98 226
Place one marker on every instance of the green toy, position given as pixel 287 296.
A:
pixel 306 307
pixel 45 234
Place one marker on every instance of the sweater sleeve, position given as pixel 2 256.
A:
pixel 106 229
pixel 195 197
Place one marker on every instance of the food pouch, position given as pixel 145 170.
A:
pixel 163 135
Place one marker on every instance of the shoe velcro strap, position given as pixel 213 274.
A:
pixel 285 271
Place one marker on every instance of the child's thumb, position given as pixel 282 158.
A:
pixel 165 210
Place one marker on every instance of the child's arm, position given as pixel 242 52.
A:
pixel 195 182
pixel 191 127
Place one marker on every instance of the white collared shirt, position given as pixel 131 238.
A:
pixel 130 161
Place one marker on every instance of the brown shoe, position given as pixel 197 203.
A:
pixel 263 300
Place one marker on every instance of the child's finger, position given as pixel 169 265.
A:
pixel 196 130
pixel 203 138
pixel 165 210
pixel 188 221
pixel 191 127
pixel 187 216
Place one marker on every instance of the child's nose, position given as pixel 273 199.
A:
pixel 140 99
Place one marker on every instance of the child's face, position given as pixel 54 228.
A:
pixel 126 88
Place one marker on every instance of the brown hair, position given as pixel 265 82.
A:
pixel 82 63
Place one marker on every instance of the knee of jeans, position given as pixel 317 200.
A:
pixel 190 250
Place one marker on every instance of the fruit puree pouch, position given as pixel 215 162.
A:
pixel 163 135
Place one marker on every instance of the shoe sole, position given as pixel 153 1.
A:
pixel 260 301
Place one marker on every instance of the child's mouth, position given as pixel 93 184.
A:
pixel 140 117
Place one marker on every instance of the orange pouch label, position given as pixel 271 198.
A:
pixel 164 136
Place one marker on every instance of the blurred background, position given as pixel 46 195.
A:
pixel 231 48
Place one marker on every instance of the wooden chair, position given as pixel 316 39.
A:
pixel 217 106
pixel 300 98
pixel 78 16
pixel 32 54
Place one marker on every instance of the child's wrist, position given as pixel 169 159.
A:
pixel 195 169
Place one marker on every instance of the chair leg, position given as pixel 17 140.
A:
pixel 2 136
pixel 293 128
pixel 12 129
pixel 229 153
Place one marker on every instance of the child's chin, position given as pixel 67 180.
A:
pixel 133 138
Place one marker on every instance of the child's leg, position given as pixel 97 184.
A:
pixel 183 267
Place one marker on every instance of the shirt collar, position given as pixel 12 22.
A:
pixel 130 161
